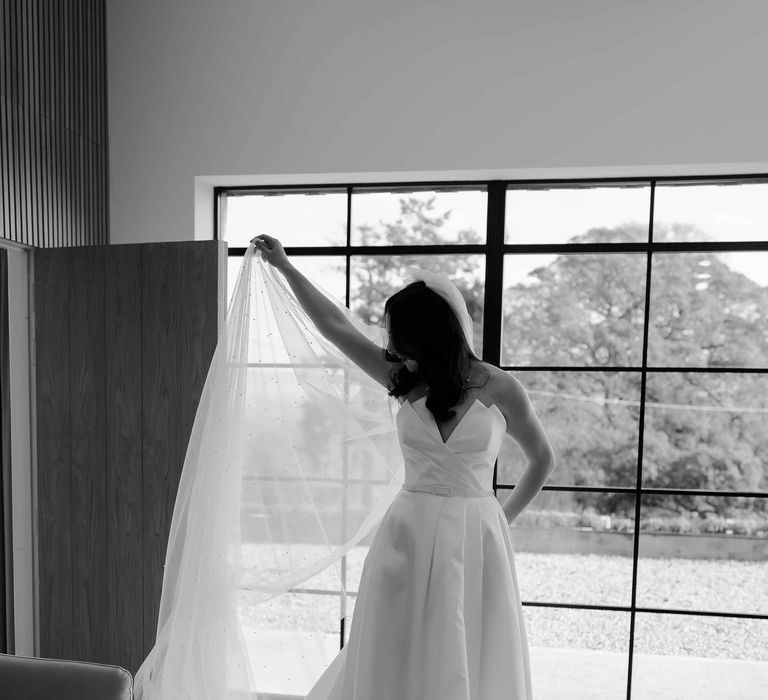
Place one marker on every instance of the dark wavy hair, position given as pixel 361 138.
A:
pixel 423 327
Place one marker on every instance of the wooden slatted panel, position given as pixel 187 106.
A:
pixel 87 413
pixel 54 466
pixel 199 322
pixel 161 330
pixel 124 339
pixel 53 122
pixel 199 319
pixel 123 442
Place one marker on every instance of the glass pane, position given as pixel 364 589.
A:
pixel 295 611
pixel 709 310
pixel 295 218
pixel 234 262
pixel 711 212
pixel 703 553
pixel 574 547
pixel 591 420
pixel 325 475
pixel 310 612
pixel 594 214
pixel 578 654
pixel 277 630
pixel 355 560
pixel 574 309
pixel 324 461
pixel 421 217
pixel 707 658
pixel 374 278
pixel 706 430
pixel 326 272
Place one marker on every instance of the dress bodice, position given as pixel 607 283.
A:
pixel 464 462
pixel 438 614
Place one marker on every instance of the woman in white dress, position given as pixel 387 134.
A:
pixel 438 613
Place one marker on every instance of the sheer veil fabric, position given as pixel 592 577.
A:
pixel 293 459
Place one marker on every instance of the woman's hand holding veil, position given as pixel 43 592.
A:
pixel 271 250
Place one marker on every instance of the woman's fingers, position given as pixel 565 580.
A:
pixel 263 238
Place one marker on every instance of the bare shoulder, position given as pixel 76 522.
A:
pixel 505 383
pixel 511 398
pixel 508 393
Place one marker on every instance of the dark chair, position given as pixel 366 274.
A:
pixel 30 678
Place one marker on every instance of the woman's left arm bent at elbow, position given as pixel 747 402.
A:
pixel 525 428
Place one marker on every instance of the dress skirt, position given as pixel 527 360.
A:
pixel 438 613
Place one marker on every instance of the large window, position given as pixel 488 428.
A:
pixel 635 312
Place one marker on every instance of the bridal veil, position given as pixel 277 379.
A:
pixel 293 459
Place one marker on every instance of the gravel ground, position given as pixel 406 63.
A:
pixel 713 585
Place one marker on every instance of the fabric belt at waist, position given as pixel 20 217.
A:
pixel 438 490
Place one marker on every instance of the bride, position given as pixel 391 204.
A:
pixel 295 457
pixel 438 613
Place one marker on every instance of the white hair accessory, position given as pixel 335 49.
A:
pixel 449 291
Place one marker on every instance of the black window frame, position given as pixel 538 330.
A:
pixel 494 250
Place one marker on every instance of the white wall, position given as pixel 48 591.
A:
pixel 285 91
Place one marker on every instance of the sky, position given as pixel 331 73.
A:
pixel 737 212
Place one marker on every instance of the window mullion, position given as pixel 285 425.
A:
pixel 494 271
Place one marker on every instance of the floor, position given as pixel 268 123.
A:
pixel 556 673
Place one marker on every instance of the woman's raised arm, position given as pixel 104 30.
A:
pixel 322 312
pixel 329 320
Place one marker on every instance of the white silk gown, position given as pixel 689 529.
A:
pixel 438 613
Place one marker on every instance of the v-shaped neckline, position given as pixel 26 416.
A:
pixel 434 422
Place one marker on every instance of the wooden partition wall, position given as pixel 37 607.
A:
pixel 124 339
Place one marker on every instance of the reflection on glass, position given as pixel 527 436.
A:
pixel 704 553
pixel 685 656
pixel 592 422
pixel 374 278
pixel 574 309
pixel 572 548
pixel 419 217
pixel 594 214
pixel 295 218
pixel 577 654
pixel 706 431
pixel 709 310
pixel 711 212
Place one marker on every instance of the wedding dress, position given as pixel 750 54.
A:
pixel 438 613
pixel 294 457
